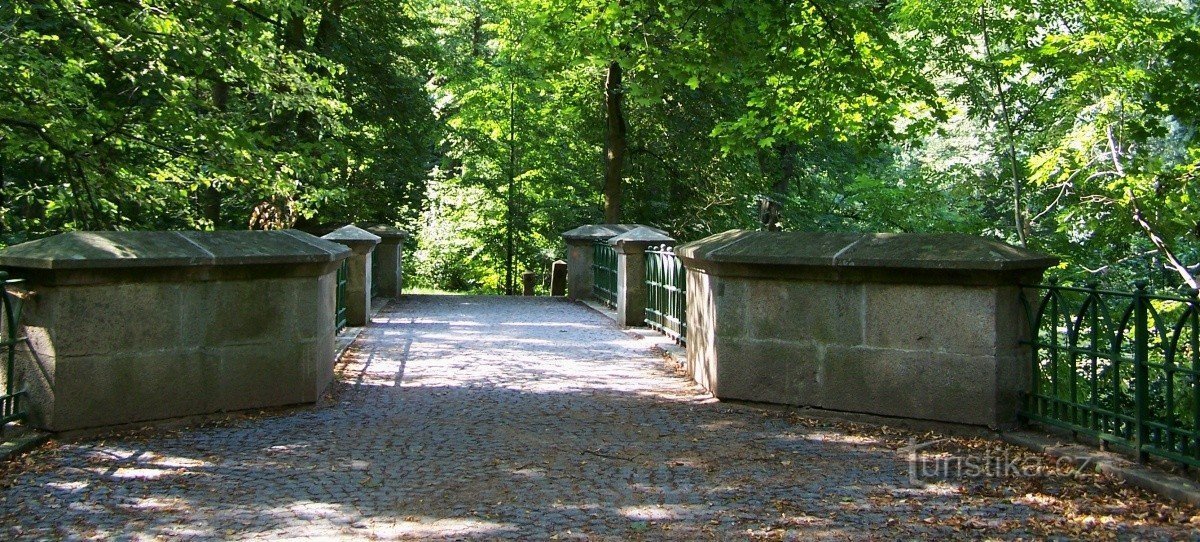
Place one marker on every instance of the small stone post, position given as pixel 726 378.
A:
pixel 388 261
pixel 527 283
pixel 558 278
pixel 631 272
pixel 358 282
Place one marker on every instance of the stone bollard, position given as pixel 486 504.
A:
pixel 580 255
pixel 527 283
pixel 358 282
pixel 387 269
pixel 558 278
pixel 631 272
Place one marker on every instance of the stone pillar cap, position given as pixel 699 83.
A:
pixel 597 232
pixel 912 251
pixel 642 235
pixel 354 237
pixel 388 233
pixel 132 249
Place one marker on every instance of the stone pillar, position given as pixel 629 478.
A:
pixel 387 270
pixel 631 272
pixel 922 326
pixel 358 282
pixel 580 254
pixel 558 278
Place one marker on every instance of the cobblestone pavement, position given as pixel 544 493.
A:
pixel 465 418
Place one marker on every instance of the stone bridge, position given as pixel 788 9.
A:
pixel 531 418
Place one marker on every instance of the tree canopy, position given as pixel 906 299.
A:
pixel 488 127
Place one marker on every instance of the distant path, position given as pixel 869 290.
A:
pixel 481 417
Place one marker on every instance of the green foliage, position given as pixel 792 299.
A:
pixel 180 114
pixel 1071 126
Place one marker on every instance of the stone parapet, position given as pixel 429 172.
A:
pixel 136 326
pixel 925 326
pixel 387 269
pixel 580 255
pixel 362 244
pixel 631 272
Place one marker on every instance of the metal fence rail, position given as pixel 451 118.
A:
pixel 666 293
pixel 1123 367
pixel 12 407
pixel 339 316
pixel 604 267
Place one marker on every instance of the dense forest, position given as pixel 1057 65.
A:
pixel 1068 126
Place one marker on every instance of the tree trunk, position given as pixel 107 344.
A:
pixel 770 208
pixel 329 29
pixel 1159 243
pixel 615 142
pixel 1006 119
pixel 211 197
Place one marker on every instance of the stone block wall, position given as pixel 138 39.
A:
pixel 117 342
pixel 933 342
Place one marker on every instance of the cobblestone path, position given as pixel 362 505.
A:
pixel 480 418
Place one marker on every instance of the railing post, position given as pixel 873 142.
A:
pixel 1141 373
pixel 631 272
pixel 387 273
pixel 358 280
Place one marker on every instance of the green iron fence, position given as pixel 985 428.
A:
pixel 342 278
pixel 604 267
pixel 666 293
pixel 1122 367
pixel 12 407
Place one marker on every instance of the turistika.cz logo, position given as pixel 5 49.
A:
pixel 927 464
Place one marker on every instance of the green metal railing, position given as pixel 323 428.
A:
pixel 604 267
pixel 666 293
pixel 339 316
pixel 1122 367
pixel 12 404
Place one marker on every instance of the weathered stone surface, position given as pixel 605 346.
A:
pixel 954 319
pixel 917 326
pixel 828 312
pixel 759 247
pixel 96 391
pixel 387 262
pixel 99 250
pixel 141 336
pixel 358 239
pixel 912 384
pixel 580 276
pixel 597 232
pixel 91 321
pixel 879 250
pixel 580 255
pixel 751 369
pixel 642 236
pixel 388 233
pixel 631 272
pixel 358 278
